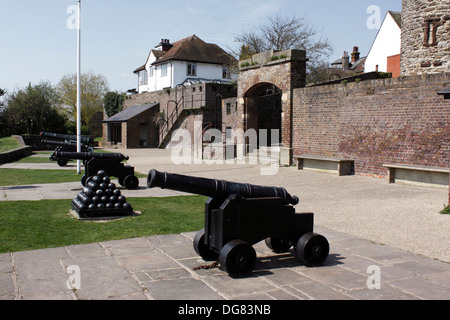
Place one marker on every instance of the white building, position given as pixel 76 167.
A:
pixel 387 43
pixel 189 59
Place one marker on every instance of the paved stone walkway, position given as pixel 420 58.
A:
pixel 162 268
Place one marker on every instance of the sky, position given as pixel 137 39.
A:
pixel 38 41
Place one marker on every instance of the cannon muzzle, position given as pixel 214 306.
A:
pixel 215 188
pixel 88 156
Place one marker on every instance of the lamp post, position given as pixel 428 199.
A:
pixel 79 86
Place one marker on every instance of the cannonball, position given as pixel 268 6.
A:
pixel 95 199
pixel 92 206
pixel 97 179
pixel 117 192
pixel 118 205
pixel 101 206
pixel 126 205
pixel 109 205
pixel 101 173
pixel 112 186
pixel 121 199
pixel 106 180
pixel 103 186
pixel 99 192
pixel 88 191
pixel 93 185
pixel 113 199
pixel 105 199
pixel 108 192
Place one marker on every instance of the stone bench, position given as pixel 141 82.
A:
pixel 341 167
pixel 418 175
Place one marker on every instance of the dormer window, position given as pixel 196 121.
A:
pixel 192 69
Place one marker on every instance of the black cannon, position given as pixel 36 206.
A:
pixel 65 146
pixel 111 163
pixel 237 216
pixel 66 143
pixel 66 137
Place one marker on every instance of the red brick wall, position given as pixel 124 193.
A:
pixel 393 65
pixel 376 122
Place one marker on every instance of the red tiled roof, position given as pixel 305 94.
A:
pixel 192 49
pixel 196 50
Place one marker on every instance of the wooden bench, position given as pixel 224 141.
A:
pixel 341 167
pixel 413 174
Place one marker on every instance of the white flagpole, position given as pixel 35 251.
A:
pixel 79 86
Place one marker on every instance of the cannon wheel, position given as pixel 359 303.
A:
pixel 83 181
pixel 131 182
pixel 238 258
pixel 312 249
pixel 202 249
pixel 62 162
pixel 277 245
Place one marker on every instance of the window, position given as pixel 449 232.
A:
pixel 150 72
pixel 164 70
pixel 228 109
pixel 143 78
pixel 226 72
pixel 191 69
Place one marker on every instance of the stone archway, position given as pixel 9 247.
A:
pixel 264 113
pixel 283 71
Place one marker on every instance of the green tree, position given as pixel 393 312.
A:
pixel 113 103
pixel 283 33
pixel 93 90
pixel 32 110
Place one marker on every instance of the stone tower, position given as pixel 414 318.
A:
pixel 425 37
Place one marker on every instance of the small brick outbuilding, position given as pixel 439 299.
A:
pixel 134 127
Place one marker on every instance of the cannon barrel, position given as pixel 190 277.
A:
pixel 88 156
pixel 215 188
pixel 85 140
pixel 68 143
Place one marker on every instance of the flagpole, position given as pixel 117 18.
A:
pixel 79 86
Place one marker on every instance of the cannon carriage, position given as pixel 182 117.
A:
pixel 111 163
pixel 66 143
pixel 237 216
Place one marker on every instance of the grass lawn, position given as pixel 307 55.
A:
pixel 31 225
pixel 8 143
pixel 19 177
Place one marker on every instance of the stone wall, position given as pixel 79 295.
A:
pixel 376 122
pixel 286 70
pixel 425 37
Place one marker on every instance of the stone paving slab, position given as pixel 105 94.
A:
pixel 162 268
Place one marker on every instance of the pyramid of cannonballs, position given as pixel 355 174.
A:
pixel 101 198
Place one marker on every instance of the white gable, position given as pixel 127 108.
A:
pixel 386 44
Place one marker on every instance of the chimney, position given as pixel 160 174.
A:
pixel 355 54
pixel 165 45
pixel 345 61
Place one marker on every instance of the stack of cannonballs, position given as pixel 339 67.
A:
pixel 101 198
